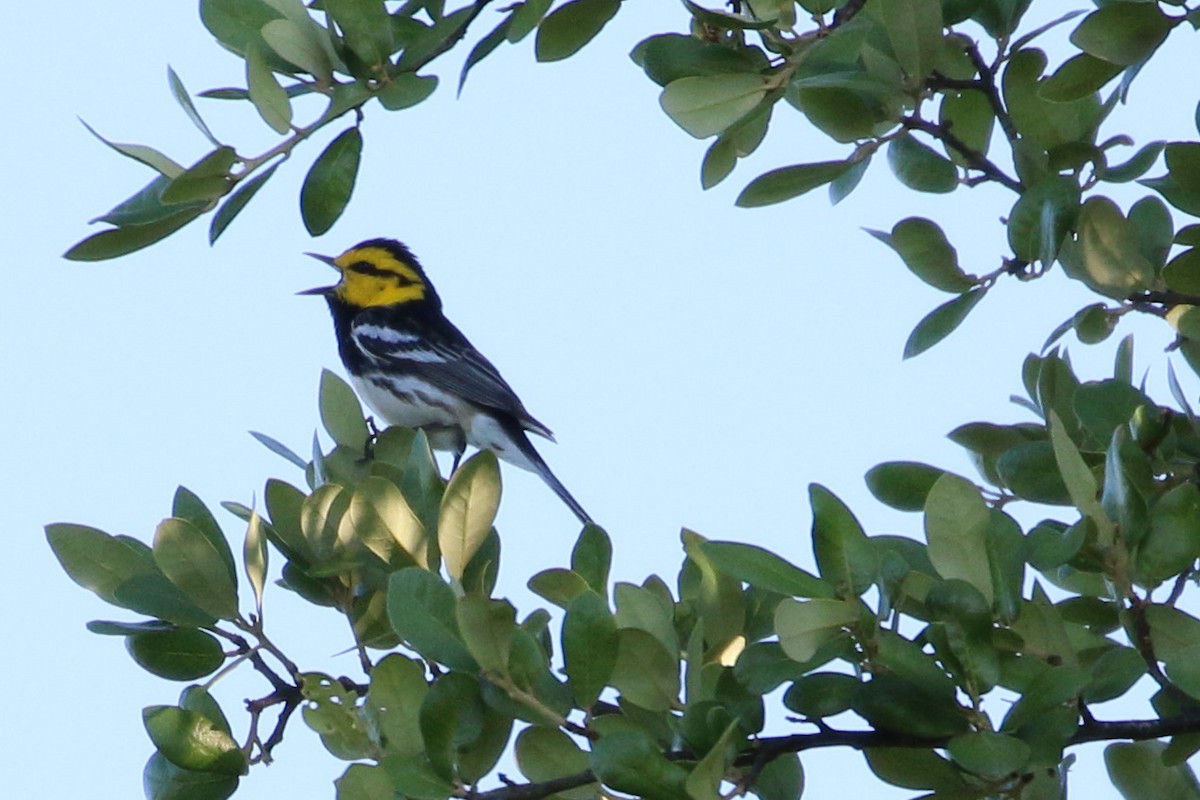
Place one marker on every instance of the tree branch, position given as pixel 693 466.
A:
pixel 975 160
pixel 1166 300
pixel 765 750
pixel 987 85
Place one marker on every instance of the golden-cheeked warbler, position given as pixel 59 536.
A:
pixel 415 369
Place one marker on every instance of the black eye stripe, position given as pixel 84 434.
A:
pixel 367 268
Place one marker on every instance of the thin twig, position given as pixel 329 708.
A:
pixel 987 79
pixel 765 750
pixel 975 160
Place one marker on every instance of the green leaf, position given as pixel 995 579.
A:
pixel 1155 229
pixel 782 779
pixel 645 672
pixel 1114 674
pixel 1104 406
pixel 186 505
pixel 572 25
pixel 254 557
pixel 844 556
pixel 129 238
pixel 162 780
pixel 841 186
pixel 237 24
pixel 1046 124
pixel 382 519
pixel 393 702
pixel 142 154
pixel 330 182
pixel 919 167
pixel 331 710
pixel 718 599
pixel 421 609
pixel 589 642
pixel 546 753
pixel 1138 772
pixel 804 625
pixel 719 161
pixel 468 510
pixel 1122 33
pixel 185 102
pixel 669 56
pixel 1078 478
pixel 705 105
pixel 146 206
pixel 917 769
pixel 956 523
pixel 525 18
pixel 788 182
pixel 487 628
pixel 236 202
pixel 1136 166
pixel 1080 76
pixel 641 608
pixel 1182 273
pixel 103 627
pixel 1094 323
pixel 704 782
pixel 341 412
pixel 559 586
pixel 1042 217
pixel 630 762
pixel 903 485
pixel 1186 320
pixel 762 568
pixel 914 29
pixel 1110 259
pixel 121 571
pixel 205 180
pixel 591 558
pixel 406 90
pixel 364 782
pixel 923 247
pixel 484 48
pixel 893 703
pixel 192 562
pixel 1172 543
pixel 1030 471
pixel 991 756
pixel 299 41
pixel 971 117
pixel 822 694
pixel 190 740
pixel 269 99
pixel 182 654
pixel 366 28
pixel 941 322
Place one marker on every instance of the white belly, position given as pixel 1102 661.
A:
pixel 447 420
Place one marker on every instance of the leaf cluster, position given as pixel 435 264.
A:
pixel 658 689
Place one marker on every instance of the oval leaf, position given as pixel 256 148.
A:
pixel 330 182
pixel 788 182
pixel 468 510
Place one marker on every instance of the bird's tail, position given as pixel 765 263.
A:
pixel 538 465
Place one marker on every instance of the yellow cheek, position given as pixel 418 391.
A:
pixel 368 290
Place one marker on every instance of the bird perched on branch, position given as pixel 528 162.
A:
pixel 415 369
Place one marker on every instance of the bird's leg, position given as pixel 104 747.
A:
pixel 372 437
pixel 460 447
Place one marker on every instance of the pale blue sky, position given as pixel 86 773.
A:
pixel 700 364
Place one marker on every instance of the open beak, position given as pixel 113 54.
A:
pixel 322 290
pixel 330 260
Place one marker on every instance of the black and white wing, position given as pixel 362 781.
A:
pixel 442 355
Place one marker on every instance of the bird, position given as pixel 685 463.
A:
pixel 415 369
